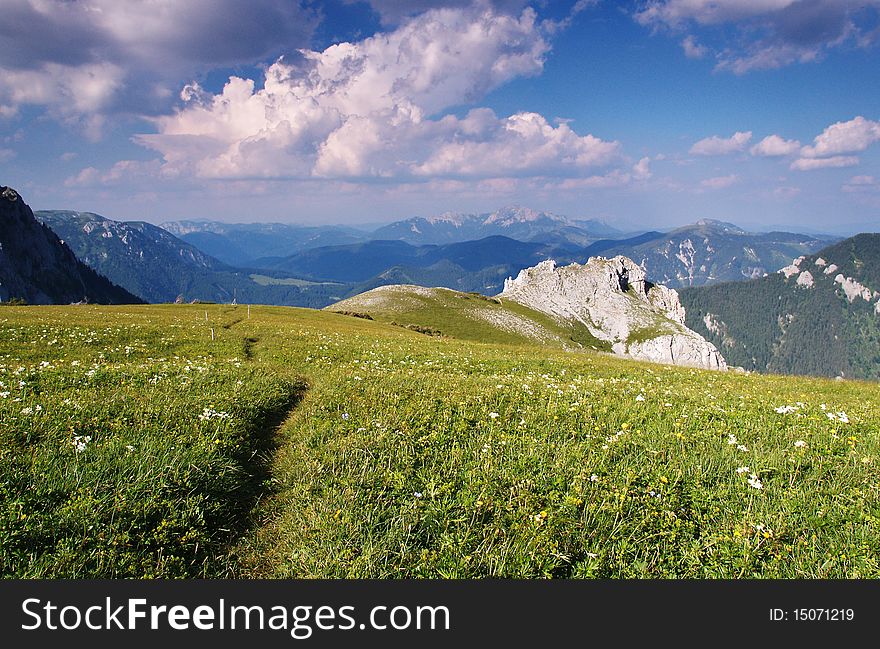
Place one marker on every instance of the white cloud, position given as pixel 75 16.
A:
pixel 81 58
pixel 809 164
pixel 394 11
pixel 767 34
pixel 123 172
pixel 706 12
pixel 859 184
pixel 844 137
pixel 774 145
pixel 692 49
pixel 524 143
pixel 642 169
pixel 720 182
pixel 721 146
pixel 370 109
pixel 71 90
pixel 6 155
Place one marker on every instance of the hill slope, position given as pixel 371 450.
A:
pixel 709 252
pixel 604 304
pixel 480 265
pixel 151 262
pixel 37 267
pixel 241 244
pixel 820 315
pixel 402 455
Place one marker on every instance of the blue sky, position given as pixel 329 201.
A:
pixel 652 114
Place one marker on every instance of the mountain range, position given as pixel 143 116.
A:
pixel 711 251
pixel 38 268
pixel 520 223
pixel 292 265
pixel 151 262
pixel 818 315
pixel 241 244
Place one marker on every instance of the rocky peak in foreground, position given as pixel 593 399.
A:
pixel 614 301
pixel 37 267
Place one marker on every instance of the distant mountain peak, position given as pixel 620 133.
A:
pixel 720 225
pixel 455 218
pixel 517 214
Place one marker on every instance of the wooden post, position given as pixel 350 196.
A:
pixel 249 311
pixel 206 316
pixel 212 333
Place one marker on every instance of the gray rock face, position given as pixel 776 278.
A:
pixel 35 266
pixel 614 300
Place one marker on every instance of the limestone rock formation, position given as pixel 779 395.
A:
pixel 613 299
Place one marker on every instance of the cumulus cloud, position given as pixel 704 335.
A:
pixel 642 169
pixel 722 146
pixel 719 182
pixel 692 49
pixel 809 164
pixel 774 145
pixel 844 137
pixel 767 34
pixel 83 58
pixel 373 109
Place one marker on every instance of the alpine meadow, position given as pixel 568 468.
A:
pixel 337 446
pixel 475 319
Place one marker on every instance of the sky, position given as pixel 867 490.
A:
pixel 645 114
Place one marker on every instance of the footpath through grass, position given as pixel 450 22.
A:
pixel 411 456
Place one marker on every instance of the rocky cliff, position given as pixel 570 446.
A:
pixel 614 301
pixel 35 266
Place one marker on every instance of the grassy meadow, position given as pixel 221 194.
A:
pixel 300 443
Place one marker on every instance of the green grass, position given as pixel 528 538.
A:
pixel 411 456
pixel 474 317
pixel 266 280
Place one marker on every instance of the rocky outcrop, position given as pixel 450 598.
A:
pixel 614 300
pixel 36 266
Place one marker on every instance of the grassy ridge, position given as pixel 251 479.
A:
pixel 416 456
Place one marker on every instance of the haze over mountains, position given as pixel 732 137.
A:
pixel 316 265
pixel 817 315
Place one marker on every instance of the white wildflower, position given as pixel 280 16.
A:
pixel 494 415
pixel 755 482
pixel 641 397
pixel 743 469
pixel 800 444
